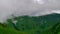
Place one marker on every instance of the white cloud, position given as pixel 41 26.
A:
pixel 39 1
pixel 27 7
pixel 56 11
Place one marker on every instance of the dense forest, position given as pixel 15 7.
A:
pixel 47 24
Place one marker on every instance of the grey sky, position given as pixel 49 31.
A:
pixel 27 7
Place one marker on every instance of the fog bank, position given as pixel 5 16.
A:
pixel 27 7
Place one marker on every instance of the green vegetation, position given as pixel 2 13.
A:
pixel 48 24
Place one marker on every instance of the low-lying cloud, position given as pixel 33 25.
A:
pixel 27 7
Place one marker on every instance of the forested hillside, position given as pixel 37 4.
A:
pixel 47 24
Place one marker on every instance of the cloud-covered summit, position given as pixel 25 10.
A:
pixel 27 7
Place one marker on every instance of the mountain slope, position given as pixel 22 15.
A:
pixel 47 24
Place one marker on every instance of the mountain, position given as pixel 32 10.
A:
pixel 47 24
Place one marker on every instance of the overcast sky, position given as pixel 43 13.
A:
pixel 28 7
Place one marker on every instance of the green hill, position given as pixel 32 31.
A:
pixel 47 24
